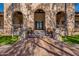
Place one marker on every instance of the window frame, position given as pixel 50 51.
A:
pixel 39 25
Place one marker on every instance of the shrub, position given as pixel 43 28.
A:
pixel 71 39
pixel 4 40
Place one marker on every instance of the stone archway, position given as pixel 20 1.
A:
pixel 60 19
pixel 61 23
pixel 39 19
pixel 17 21
pixel 39 22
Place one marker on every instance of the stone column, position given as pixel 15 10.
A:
pixel 7 19
pixel 24 12
pixel 48 16
pixel 70 18
pixel 53 15
pixel 30 16
pixel 48 23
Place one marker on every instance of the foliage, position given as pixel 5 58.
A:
pixel 71 39
pixel 5 40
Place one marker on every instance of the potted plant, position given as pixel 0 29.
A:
pixel 29 31
pixel 49 31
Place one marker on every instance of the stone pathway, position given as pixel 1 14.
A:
pixel 4 48
pixel 44 46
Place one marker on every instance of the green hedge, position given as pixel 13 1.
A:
pixel 71 39
pixel 5 40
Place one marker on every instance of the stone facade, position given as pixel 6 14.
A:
pixel 28 10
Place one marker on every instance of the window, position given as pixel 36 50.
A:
pixel 1 21
pixel 39 25
pixel 77 24
pixel 76 19
pixel 39 19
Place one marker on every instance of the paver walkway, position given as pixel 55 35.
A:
pixel 44 46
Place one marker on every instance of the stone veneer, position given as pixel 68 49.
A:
pixel 28 10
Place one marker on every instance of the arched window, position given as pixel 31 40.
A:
pixel 39 18
pixel 60 19
pixel 17 20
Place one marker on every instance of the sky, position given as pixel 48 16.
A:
pixel 77 7
pixel 2 7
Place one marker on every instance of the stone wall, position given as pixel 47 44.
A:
pixel 7 18
pixel 70 18
pixel 28 10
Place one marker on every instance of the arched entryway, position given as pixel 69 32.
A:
pixel 61 23
pixel 39 19
pixel 60 19
pixel 17 21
